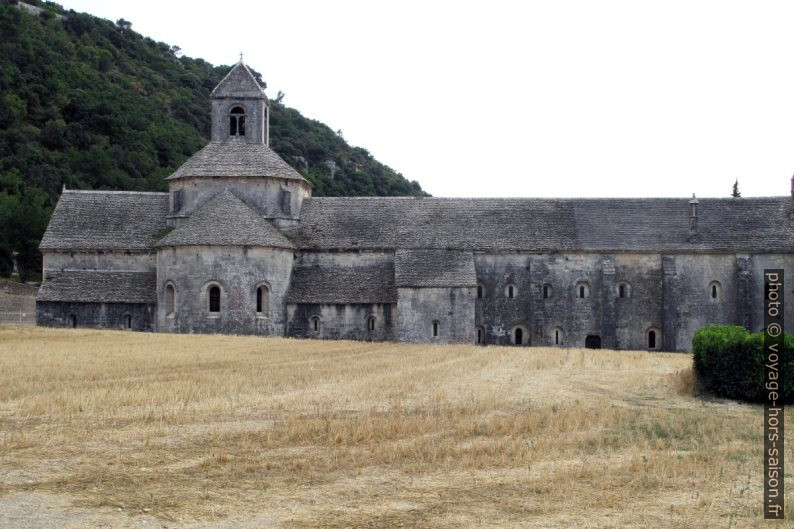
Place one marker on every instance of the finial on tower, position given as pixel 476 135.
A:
pixel 241 58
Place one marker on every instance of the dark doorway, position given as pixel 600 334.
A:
pixel 72 321
pixel 519 336
pixel 128 321
pixel 651 339
pixel 592 341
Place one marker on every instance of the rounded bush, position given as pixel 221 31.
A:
pixel 729 362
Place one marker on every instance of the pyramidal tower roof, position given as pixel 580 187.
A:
pixel 239 82
pixel 240 134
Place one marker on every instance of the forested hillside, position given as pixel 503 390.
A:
pixel 91 104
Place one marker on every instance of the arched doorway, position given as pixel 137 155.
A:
pixel 593 341
pixel 519 336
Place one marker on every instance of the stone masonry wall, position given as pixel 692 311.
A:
pixel 452 308
pixel 238 271
pixel 96 315
pixel 342 322
pixel 263 195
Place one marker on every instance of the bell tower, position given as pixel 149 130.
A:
pixel 240 111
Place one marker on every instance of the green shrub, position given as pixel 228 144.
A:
pixel 729 362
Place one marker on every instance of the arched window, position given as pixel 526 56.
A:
pixel 262 300
pixel 314 323
pixel 653 338
pixel 435 329
pixel 214 298
pixel 371 323
pixel 72 321
pixel 547 291
pixel 510 291
pixel 623 290
pixel 715 291
pixel 480 291
pixel 519 335
pixel 237 122
pixel 170 300
pixel 582 289
pixel 127 321
pixel 480 334
pixel 556 336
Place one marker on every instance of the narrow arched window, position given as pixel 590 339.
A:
pixel 623 290
pixel 582 289
pixel 435 329
pixel 237 122
pixel 215 298
pixel 652 338
pixel 715 291
pixel 510 291
pixel 479 291
pixel 371 323
pixel 262 300
pixel 556 336
pixel 170 300
pixel 314 324
pixel 127 321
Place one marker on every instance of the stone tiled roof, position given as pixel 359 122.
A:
pixel 239 82
pixel 236 159
pixel 106 220
pixel 93 286
pixel 546 225
pixel 336 284
pixel 434 268
pixel 226 221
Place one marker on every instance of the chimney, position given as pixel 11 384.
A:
pixel 693 219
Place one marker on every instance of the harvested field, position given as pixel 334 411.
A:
pixel 125 429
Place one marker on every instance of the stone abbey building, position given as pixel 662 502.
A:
pixel 238 245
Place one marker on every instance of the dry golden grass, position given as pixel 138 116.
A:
pixel 286 433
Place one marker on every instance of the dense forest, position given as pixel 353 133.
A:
pixel 91 104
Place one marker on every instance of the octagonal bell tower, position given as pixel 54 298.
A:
pixel 240 110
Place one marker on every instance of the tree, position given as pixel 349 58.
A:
pixel 123 24
pixel 735 193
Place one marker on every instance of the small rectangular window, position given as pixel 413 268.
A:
pixel 176 200
pixel 286 201
pixel 435 329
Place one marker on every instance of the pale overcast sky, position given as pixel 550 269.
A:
pixel 505 98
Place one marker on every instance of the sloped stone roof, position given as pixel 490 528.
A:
pixel 236 159
pixel 225 220
pixel 239 82
pixel 372 283
pixel 99 286
pixel 546 225
pixel 106 220
pixel 434 268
